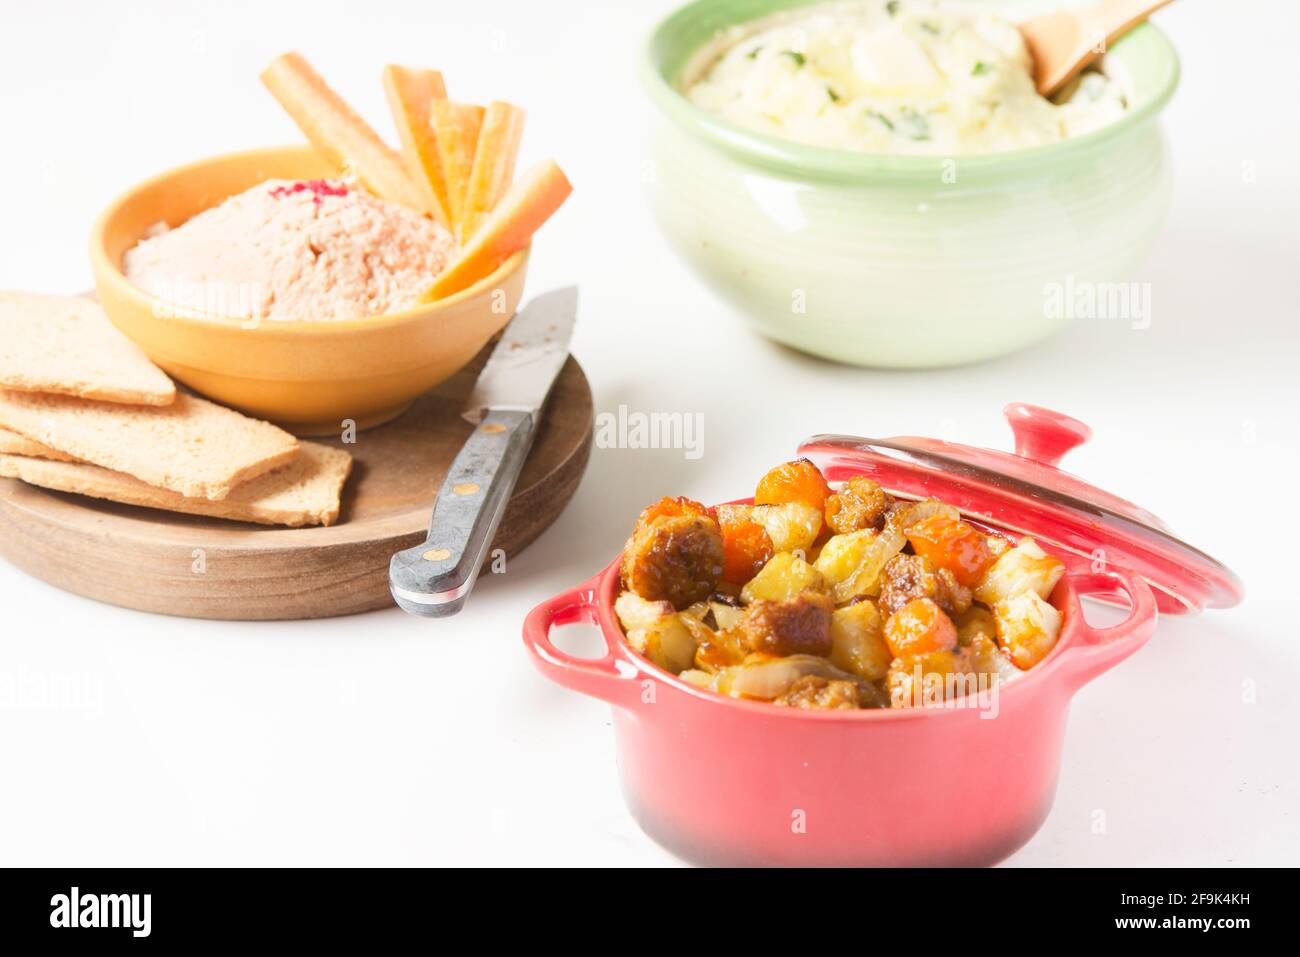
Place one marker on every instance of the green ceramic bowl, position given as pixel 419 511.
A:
pixel 908 261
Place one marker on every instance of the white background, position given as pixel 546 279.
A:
pixel 384 739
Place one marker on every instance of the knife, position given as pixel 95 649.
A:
pixel 434 579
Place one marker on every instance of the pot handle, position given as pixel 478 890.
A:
pixel 606 678
pixel 1100 649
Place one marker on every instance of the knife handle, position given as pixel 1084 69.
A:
pixel 434 579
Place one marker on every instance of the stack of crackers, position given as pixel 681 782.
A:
pixel 83 410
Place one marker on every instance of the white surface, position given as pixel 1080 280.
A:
pixel 384 739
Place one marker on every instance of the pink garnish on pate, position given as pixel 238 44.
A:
pixel 319 188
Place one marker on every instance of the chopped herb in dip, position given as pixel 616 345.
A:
pixel 799 58
pixel 915 125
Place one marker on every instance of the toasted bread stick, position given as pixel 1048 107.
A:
pixel 338 132
pixel 411 93
pixel 529 203
pixel 494 163
pixel 457 126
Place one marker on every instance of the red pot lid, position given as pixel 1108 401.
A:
pixel 1026 494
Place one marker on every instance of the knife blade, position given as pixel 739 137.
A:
pixel 519 372
pixel 434 579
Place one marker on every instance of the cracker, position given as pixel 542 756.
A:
pixel 304 492
pixel 193 446
pixel 67 345
pixel 11 443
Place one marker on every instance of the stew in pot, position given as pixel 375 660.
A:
pixel 814 597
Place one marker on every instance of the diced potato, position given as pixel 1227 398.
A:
pixel 670 643
pixel 767 677
pixel 783 577
pixel 997 545
pixel 975 622
pixel 917 681
pixel 851 564
pixel 725 615
pixel 1025 568
pixel 636 637
pixel 701 679
pixel 840 557
pixel 857 641
pixel 793 527
pixel 1027 628
pixel 655 630
pixel 635 612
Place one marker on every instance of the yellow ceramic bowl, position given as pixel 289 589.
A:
pixel 308 376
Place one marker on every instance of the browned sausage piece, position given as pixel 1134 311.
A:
pixel 797 626
pixel 816 692
pixel 911 576
pixel 862 503
pixel 676 558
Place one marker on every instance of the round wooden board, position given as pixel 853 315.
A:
pixel 151 560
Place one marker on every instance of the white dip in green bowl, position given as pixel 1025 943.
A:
pixel 908 76
pixel 877 182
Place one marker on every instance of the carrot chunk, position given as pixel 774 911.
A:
pixel 918 628
pixel 798 481
pixel 952 544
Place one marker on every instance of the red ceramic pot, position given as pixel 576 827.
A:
pixel 723 781
pixel 718 780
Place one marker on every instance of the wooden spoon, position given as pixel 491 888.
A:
pixel 1065 42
